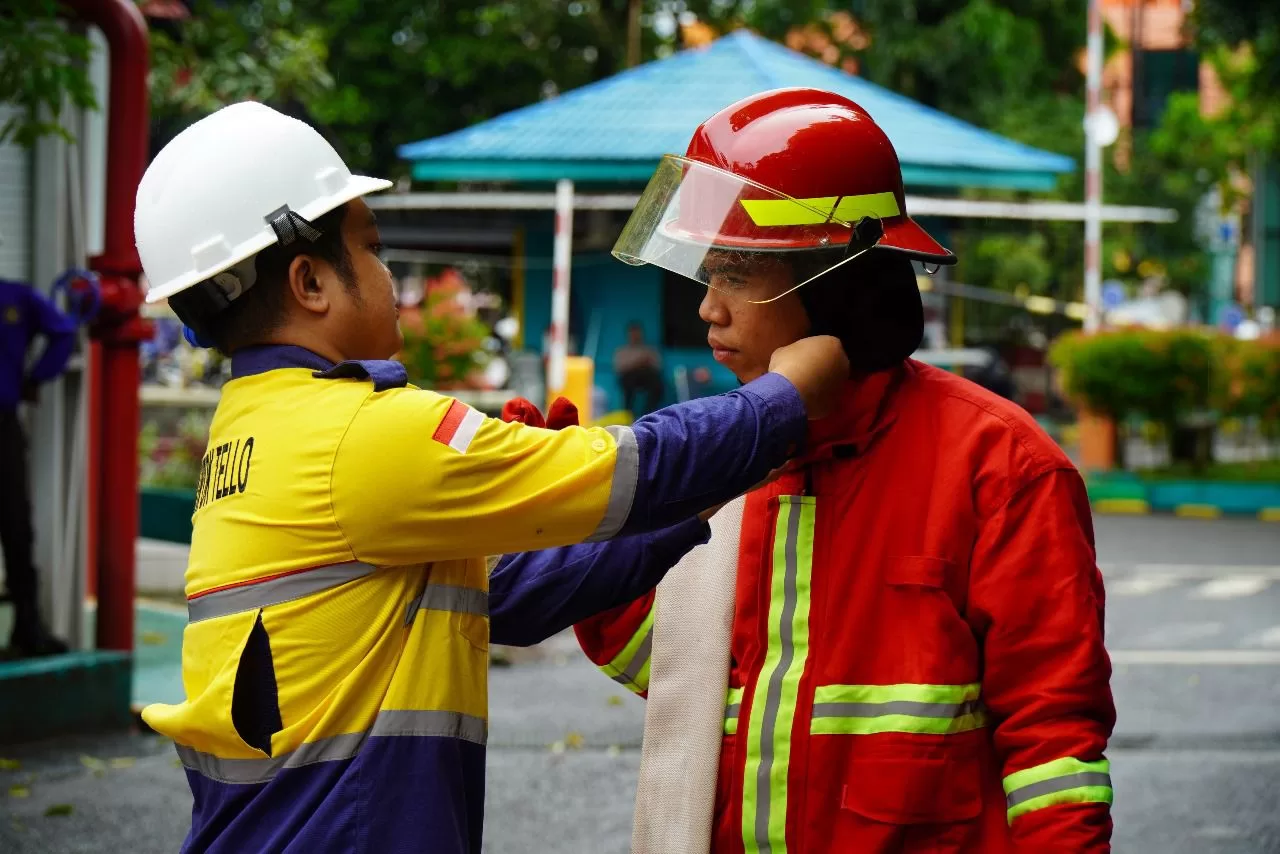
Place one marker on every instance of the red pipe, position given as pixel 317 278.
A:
pixel 93 475
pixel 119 328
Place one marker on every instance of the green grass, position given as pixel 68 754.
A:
pixel 1259 471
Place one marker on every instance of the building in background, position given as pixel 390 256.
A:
pixel 607 138
pixel 1160 59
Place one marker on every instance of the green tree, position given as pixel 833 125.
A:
pixel 374 77
pixel 42 65
pixel 1242 40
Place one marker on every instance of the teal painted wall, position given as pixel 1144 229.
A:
pixel 606 295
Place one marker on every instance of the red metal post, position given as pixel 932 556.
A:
pixel 113 424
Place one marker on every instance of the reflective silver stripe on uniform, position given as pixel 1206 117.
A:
pixel 731 714
pixel 393 723
pixel 626 474
pixel 447 597
pixel 1057 784
pixel 896 707
pixel 416 722
pixel 762 797
pixel 273 591
pixel 631 673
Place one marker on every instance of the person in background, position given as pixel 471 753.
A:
pixel 639 369
pixel 25 315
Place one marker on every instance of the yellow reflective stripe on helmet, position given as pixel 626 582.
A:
pixel 1062 781
pixel 773 707
pixel 630 667
pixel 790 211
pixel 817 211
pixel 876 205
pixel 872 709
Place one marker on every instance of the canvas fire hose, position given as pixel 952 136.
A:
pixel 688 684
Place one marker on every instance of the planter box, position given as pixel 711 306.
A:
pixel 64 695
pixel 1249 498
pixel 1129 492
pixel 165 514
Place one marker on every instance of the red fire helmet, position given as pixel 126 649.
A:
pixel 797 171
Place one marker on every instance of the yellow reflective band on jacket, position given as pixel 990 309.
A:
pixel 871 709
pixel 732 709
pixel 1062 781
pixel 816 211
pixel 773 707
pixel 630 667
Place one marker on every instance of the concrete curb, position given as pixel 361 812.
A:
pixel 1140 507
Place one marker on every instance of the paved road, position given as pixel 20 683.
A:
pixel 1193 626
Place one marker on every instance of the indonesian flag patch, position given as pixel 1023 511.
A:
pixel 459 426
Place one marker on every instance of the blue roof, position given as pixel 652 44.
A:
pixel 618 128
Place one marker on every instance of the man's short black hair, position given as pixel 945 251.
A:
pixel 254 315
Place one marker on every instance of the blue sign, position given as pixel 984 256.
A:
pixel 1231 317
pixel 1227 232
pixel 1112 295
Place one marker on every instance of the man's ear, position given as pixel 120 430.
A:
pixel 306 285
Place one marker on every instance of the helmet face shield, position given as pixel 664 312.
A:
pixel 739 237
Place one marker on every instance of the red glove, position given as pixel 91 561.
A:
pixel 561 414
pixel 519 409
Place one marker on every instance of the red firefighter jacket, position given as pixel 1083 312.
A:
pixel 917 654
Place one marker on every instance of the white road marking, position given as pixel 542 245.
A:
pixel 1195 657
pixel 1175 633
pixel 1140 585
pixel 1267 637
pixel 1231 587
pixel 1188 570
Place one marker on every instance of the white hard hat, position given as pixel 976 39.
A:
pixel 209 199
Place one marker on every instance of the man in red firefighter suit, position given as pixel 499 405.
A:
pixel 917 659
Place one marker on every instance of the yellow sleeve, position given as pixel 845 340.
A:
pixel 422 477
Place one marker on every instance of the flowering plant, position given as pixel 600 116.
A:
pixel 443 339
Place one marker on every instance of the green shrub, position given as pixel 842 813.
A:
pixel 1181 379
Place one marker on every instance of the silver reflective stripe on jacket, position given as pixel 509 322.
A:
pixel 447 597
pixel 626 474
pixel 338 747
pixel 275 590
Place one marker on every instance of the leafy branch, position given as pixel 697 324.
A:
pixel 43 64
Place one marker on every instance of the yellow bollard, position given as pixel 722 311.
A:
pixel 579 379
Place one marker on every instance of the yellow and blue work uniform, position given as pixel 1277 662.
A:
pixel 335 661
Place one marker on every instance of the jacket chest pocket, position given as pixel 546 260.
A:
pixel 922 599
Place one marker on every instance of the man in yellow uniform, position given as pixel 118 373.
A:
pixel 335 661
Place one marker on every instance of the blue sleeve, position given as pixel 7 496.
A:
pixel 59 334
pixel 701 453
pixel 534 595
